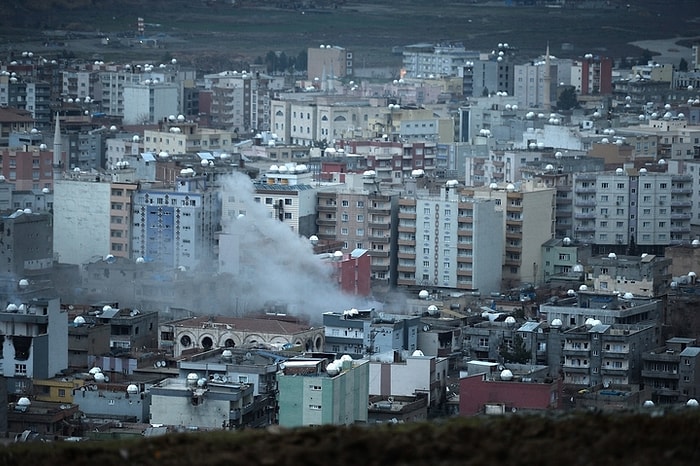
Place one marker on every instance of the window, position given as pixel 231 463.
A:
pixel 61 392
pixel 287 201
pixel 315 387
pixel 20 369
pixel 315 407
pixel 345 203
pixel 360 218
pixel 360 204
pixel 242 379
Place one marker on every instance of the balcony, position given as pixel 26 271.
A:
pixel 406 255
pixel 584 190
pixel 681 203
pixel 406 241
pixel 681 215
pixel 585 202
pixel 464 259
pixel 378 253
pixel 383 239
pixel 406 268
pixel 325 221
pixel 403 228
pixel 666 375
pixel 407 215
pixel 379 224
pixel 326 207
pixel 584 215
pixel 578 368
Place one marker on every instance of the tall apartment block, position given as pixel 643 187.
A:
pixel 629 210
pixel 449 239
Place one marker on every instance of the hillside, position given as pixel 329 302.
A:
pixel 246 30
pixel 582 439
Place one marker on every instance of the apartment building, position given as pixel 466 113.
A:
pixel 607 354
pixel 393 162
pixel 615 211
pixel 671 371
pixel 149 101
pixel 429 60
pixel 646 275
pixel 35 343
pixel 318 391
pixel 329 61
pixel 360 215
pixel 86 202
pixel 288 195
pixel 176 228
pixel 527 223
pixel 239 101
pixel 450 240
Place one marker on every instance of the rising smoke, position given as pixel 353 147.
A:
pixel 271 264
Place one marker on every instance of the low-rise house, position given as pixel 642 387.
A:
pixel 504 391
pixel 200 404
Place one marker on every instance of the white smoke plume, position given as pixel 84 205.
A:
pixel 269 262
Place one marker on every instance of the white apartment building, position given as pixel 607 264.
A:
pixel 176 228
pixel 91 218
pixel 149 101
pixel 529 84
pixel 426 60
pixel 450 240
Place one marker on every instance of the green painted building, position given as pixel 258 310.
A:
pixel 316 391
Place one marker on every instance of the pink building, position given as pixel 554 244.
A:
pixel 478 395
pixel 353 272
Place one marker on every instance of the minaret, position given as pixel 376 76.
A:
pixel 547 98
pixel 57 149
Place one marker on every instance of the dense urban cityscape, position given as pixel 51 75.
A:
pixel 474 233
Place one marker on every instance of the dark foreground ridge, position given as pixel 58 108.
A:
pixel 582 439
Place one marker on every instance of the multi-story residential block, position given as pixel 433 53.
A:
pixel 450 240
pixel 527 223
pixel 664 139
pixel 563 261
pixel 393 162
pixel 592 75
pixel 88 202
pixel 87 337
pixel 535 84
pixel 351 271
pixel 239 101
pixel 615 211
pixel 176 136
pixel 316 391
pixel 243 365
pixel 409 376
pixel 558 173
pixel 362 216
pixel 329 61
pixel 29 168
pixel 428 60
pixel 131 329
pixel 607 354
pixel 13 120
pixel 607 307
pixel 670 371
pixel 27 241
pixel 35 343
pixel 231 332
pixel 360 332
pixel 176 227
pixel 149 101
pixel 288 194
pixel 646 275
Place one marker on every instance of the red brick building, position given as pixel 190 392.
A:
pixel 478 394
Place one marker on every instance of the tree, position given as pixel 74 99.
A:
pixel 683 65
pixel 567 99
pixel 516 353
pixel 301 63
